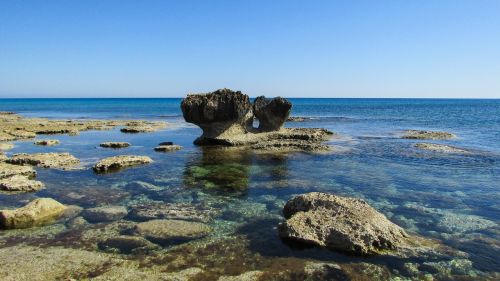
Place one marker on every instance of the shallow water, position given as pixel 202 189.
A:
pixel 450 198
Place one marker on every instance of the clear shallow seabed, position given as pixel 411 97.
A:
pixel 452 198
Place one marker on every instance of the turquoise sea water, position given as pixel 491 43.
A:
pixel 450 198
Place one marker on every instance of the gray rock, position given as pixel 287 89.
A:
pixel 104 214
pixel 339 223
pixel 272 113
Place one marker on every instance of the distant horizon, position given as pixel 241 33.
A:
pixel 252 97
pixel 326 49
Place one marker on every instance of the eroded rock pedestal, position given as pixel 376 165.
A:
pixel 226 118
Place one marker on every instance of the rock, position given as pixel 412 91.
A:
pixel 22 134
pixel 441 148
pixel 171 231
pixel 127 244
pixel 297 119
pixel 168 148
pixel 166 143
pixel 114 144
pixel 8 170
pixel 143 127
pixel 119 162
pixel 324 271
pixel 339 223
pixel 219 114
pixel 431 135
pixel 47 142
pixel 20 183
pixel 247 276
pixel 104 214
pixel 179 211
pixel 3 157
pixel 6 146
pixel 45 160
pixel 272 113
pixel 38 212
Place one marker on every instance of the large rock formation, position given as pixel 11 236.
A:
pixel 339 223
pixel 226 118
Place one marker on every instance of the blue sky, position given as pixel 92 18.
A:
pixel 350 48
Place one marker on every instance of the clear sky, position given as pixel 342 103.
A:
pixel 350 48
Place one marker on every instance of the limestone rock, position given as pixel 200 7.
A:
pixel 115 163
pixel 8 170
pixel 45 160
pixel 164 231
pixel 431 135
pixel 114 144
pixel 272 113
pixel 441 148
pixel 339 223
pixel 20 183
pixel 168 148
pixel 47 142
pixel 38 212
pixel 104 214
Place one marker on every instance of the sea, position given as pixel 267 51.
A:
pixel 452 199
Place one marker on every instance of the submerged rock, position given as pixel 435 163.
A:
pixel 104 214
pixel 254 275
pixel 226 118
pixel 127 244
pixel 114 144
pixel 9 170
pixel 339 223
pixel 38 212
pixel 20 183
pixel 441 148
pixel 179 211
pixel 171 231
pixel 168 148
pixel 431 135
pixel 45 160
pixel 119 162
pixel 272 113
pixel 47 142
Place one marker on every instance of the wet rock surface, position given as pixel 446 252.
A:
pixel 441 148
pixel 115 144
pixel 168 148
pixel 62 160
pixel 104 214
pixel 47 142
pixel 226 118
pixel 178 211
pixel 116 163
pixel 163 231
pixel 143 127
pixel 339 223
pixel 20 183
pixel 38 212
pixel 430 135
pixel 8 170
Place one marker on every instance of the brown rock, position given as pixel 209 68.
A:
pixel 38 212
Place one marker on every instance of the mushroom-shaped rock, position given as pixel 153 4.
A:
pixel 119 162
pixel 38 212
pixel 20 183
pixel 339 223
pixel 272 113
pixel 219 114
pixel 114 144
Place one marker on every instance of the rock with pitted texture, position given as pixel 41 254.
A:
pixel 45 160
pixel 38 212
pixel 9 170
pixel 20 183
pixel 441 148
pixel 114 144
pixel 430 135
pixel 272 113
pixel 220 114
pixel 116 163
pixel 47 142
pixel 339 223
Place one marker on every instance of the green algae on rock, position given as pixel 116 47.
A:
pixel 38 212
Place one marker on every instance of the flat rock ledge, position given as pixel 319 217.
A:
pixel 62 160
pixel 163 231
pixel 116 163
pixel 168 148
pixel 141 127
pixel 226 118
pixel 441 148
pixel 112 144
pixel 339 223
pixel 38 212
pixel 9 170
pixel 21 184
pixel 427 135
pixel 47 142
